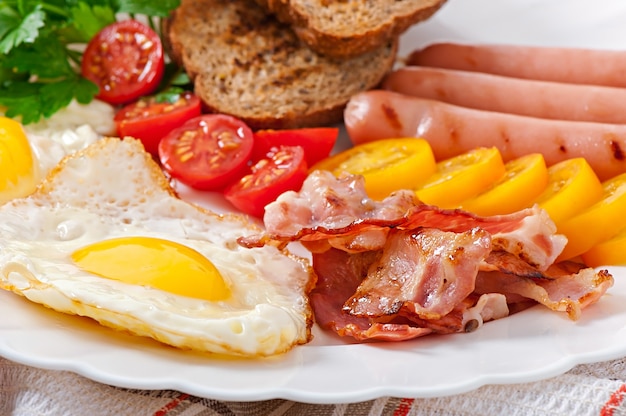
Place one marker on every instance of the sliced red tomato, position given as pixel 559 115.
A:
pixel 149 119
pixel 207 152
pixel 125 60
pixel 317 142
pixel 284 169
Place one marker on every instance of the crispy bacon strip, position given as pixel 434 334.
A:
pixel 398 269
pixel 339 275
pixel 529 234
pixel 330 212
pixel 567 292
pixel 428 271
pixel 329 206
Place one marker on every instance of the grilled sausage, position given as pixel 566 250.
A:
pixel 452 130
pixel 544 99
pixel 572 65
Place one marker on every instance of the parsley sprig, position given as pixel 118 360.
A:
pixel 40 44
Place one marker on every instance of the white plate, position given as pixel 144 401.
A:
pixel 532 345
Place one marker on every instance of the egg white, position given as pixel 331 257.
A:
pixel 70 129
pixel 114 189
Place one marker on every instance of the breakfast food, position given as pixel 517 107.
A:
pixel 598 222
pixel 586 211
pixel 525 101
pixel 46 49
pixel 350 28
pixel 246 64
pixel 571 65
pixel 452 130
pixel 482 91
pixel 386 165
pixel 28 153
pixel 149 119
pixel 523 181
pixel 105 237
pixel 125 60
pixel 398 269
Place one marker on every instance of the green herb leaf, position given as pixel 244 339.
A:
pixel 22 99
pixel 57 95
pixel 46 58
pixel 39 60
pixel 147 7
pixel 9 20
pixel 89 20
pixel 25 31
pixel 85 90
pixel 181 79
pixel 170 95
pixel 33 100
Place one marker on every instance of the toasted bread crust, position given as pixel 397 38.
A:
pixel 344 28
pixel 247 64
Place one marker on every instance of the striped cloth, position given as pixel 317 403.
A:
pixel 593 389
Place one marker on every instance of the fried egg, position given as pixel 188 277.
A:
pixel 28 153
pixel 104 236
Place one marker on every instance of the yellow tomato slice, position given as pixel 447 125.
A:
pixel 572 187
pixel 17 169
pixel 462 177
pixel 599 222
pixel 524 180
pixel 387 165
pixel 611 252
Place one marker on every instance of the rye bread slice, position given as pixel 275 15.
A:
pixel 245 63
pixel 342 28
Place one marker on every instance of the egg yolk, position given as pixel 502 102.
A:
pixel 153 262
pixel 17 169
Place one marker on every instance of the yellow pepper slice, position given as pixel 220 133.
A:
pixel 17 168
pixel 524 180
pixel 462 177
pixel 599 222
pixel 572 187
pixel 387 165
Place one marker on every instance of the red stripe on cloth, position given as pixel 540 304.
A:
pixel 171 405
pixel 404 407
pixel 616 399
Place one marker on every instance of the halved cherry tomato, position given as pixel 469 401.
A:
pixel 207 152
pixel 387 165
pixel 524 180
pixel 149 119
pixel 125 60
pixel 462 177
pixel 317 142
pixel 283 170
pixel 611 252
pixel 572 187
pixel 599 222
